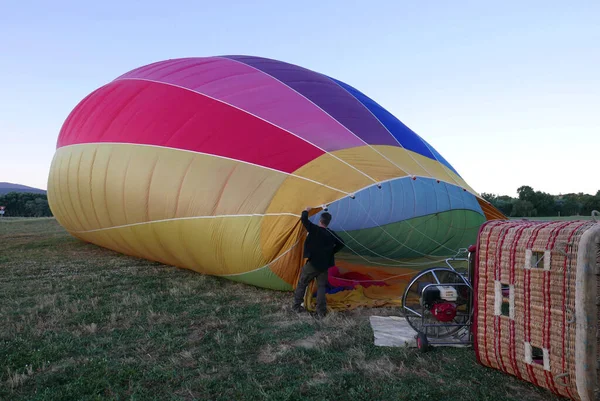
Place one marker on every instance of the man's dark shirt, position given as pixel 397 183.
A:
pixel 321 244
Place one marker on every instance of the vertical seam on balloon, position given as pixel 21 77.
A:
pixel 217 156
pixel 77 197
pixel 326 113
pixel 105 191
pixel 222 191
pixel 253 115
pixel 91 186
pixel 64 188
pixel 69 192
pixel 177 198
pixel 85 217
pixel 149 187
pixel 123 188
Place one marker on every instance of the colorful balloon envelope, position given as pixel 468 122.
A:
pixel 207 163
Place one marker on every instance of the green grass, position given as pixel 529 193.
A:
pixel 80 322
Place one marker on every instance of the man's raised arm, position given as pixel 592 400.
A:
pixel 305 221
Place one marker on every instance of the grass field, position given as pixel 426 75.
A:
pixel 82 323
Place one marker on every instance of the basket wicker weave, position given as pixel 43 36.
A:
pixel 537 291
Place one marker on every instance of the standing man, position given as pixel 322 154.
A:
pixel 320 246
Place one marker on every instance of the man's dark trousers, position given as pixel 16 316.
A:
pixel 309 273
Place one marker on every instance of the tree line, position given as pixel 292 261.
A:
pixel 531 203
pixel 25 204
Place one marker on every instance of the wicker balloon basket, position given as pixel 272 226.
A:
pixel 537 292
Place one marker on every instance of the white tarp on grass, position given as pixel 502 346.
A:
pixel 394 331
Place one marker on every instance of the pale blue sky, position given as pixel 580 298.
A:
pixel 507 91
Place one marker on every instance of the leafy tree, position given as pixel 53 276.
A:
pixel 526 193
pixel 489 197
pixel 544 204
pixel 569 205
pixel 504 205
pixel 523 208
pixel 24 204
pixel 591 203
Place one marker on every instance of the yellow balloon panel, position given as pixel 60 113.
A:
pixel 369 160
pixel 107 185
pixel 210 245
pixel 416 164
pixel 344 173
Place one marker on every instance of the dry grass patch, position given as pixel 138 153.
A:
pixel 270 353
pixel 318 379
pixel 16 379
pixel 184 359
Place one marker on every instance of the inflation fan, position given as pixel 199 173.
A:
pixel 438 302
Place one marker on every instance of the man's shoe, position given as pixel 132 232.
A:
pixel 298 309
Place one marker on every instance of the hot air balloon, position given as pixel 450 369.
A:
pixel 207 163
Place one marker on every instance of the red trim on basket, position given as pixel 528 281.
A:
pixel 512 263
pixel 485 320
pixel 476 270
pixel 527 302
pixel 548 304
pixel 498 276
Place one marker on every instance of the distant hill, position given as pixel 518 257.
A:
pixel 6 187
